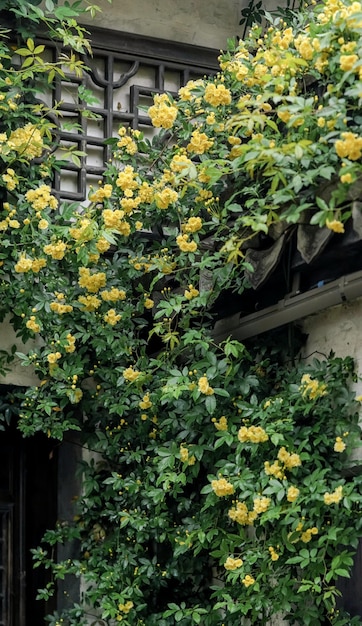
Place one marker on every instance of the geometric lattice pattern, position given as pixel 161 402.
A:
pixel 124 73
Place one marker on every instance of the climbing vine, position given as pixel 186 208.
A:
pixel 219 488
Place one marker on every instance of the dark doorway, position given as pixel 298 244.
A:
pixel 28 506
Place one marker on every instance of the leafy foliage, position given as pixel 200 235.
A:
pixel 218 486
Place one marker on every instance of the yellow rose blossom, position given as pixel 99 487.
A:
pixel 335 497
pixel 38 264
pixel 339 445
pixel 111 317
pixel 273 554
pixel 335 225
pixel 90 303
pixel 56 250
pixel 53 357
pixel 204 387
pixel 217 94
pixel 192 225
pixel 191 292
pixel 185 245
pixel 231 564
pixel 347 62
pixel 26 141
pixel 292 494
pixel 199 143
pixel 43 224
pixel 148 303
pixel 254 434
pixel 162 113
pixel 164 198
pixel 131 374
pixel 145 403
pixel 222 487
pixel 23 265
pixel 261 504
pixel 349 146
pixel 248 581
pixel 32 324
pixel 222 424
pixel 92 282
pixel 71 343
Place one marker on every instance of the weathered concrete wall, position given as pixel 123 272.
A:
pixel 200 22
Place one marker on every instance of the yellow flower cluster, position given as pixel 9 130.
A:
pixel 180 162
pixel 56 250
pixel 339 445
pixel 261 504
pixel 90 303
pixel 114 219
pixel 222 487
pixel 126 608
pixel 38 264
pixel 145 403
pixel 84 231
pixel 164 198
pixel 53 357
pixel 26 141
pixel 273 553
pixel 241 514
pixel 23 265
pixel 128 144
pixel 131 374
pixel 111 317
pixel 204 387
pixel 102 245
pixel 91 282
pixel 113 295
pixel 248 581
pixel 334 497
pixel 307 534
pixel 312 387
pixel 292 494
pixel 101 193
pixel 60 307
pixel 126 179
pixel 222 424
pixel 10 179
pixel 289 460
pixel 350 146
pixel 185 245
pixel 185 456
pixel 199 143
pixel 192 225
pixel 231 564
pixel 41 198
pixel 71 343
pixel 191 292
pixel 217 94
pixel 162 113
pixel 32 324
pixel 254 434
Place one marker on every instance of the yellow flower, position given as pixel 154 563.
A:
pixel 130 374
pixel 191 292
pixel 204 387
pixel 347 61
pixel 164 198
pixel 334 497
pixel 199 143
pixel 26 141
pixel 163 113
pixel 193 225
pixel 145 403
pixel 23 265
pixel 255 434
pixel 148 303
pixel 248 581
pixel 43 224
pixel 56 250
pixel 184 454
pixel 32 324
pixel 292 494
pixel 217 94
pixel 222 487
pixel 111 317
pixel 261 504
pixel 273 554
pixel 53 357
pixel 339 445
pixel 91 282
pixel 222 424
pixel 185 245
pixel 335 225
pixel 350 146
pixel 232 564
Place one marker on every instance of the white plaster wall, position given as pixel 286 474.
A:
pixel 18 375
pixel 338 329
pixel 206 23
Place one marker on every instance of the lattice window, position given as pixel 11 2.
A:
pixel 125 73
